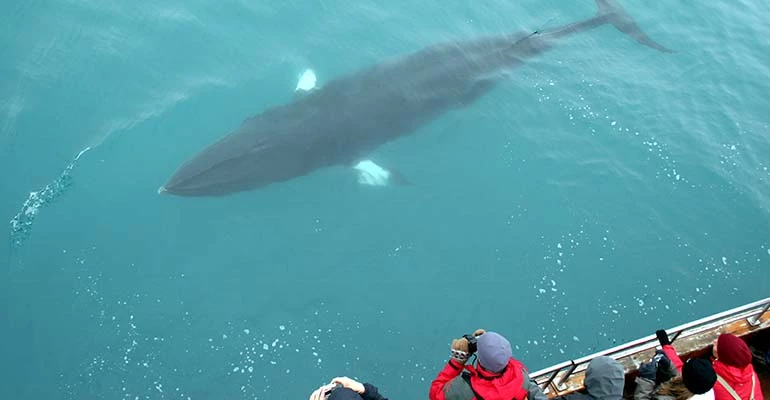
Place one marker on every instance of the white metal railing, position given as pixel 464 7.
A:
pixel 752 312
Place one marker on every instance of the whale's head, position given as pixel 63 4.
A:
pixel 239 162
pixel 279 144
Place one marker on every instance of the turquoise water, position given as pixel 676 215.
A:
pixel 604 191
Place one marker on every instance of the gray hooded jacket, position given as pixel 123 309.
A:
pixel 604 380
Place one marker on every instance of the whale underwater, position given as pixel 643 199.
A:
pixel 344 121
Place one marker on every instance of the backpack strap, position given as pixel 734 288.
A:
pixel 467 378
pixel 731 390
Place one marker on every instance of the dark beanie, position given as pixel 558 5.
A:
pixel 344 394
pixel 733 351
pixel 698 375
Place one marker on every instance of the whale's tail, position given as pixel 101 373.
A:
pixel 613 13
pixel 609 12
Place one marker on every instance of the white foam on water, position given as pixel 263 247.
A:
pixel 21 223
pixel 159 104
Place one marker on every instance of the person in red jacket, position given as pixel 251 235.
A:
pixel 666 377
pixel 736 378
pixel 498 376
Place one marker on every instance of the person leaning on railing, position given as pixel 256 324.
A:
pixel 498 376
pixel 666 377
pixel 604 380
pixel 344 388
pixel 736 378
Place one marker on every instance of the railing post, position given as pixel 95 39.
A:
pixel 548 382
pixel 754 321
pixel 560 385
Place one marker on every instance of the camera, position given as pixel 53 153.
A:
pixel 471 343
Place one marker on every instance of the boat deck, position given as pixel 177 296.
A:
pixel 694 339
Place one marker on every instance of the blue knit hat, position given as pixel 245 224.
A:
pixel 493 351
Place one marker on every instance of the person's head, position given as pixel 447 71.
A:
pixel 334 391
pixel 732 350
pixel 604 378
pixel 342 393
pixel 698 375
pixel 493 351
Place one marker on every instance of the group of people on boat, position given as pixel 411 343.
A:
pixel 725 374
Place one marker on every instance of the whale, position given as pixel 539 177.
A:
pixel 345 120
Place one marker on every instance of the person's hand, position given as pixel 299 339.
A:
pixel 320 393
pixel 459 350
pixel 460 344
pixel 316 395
pixel 662 337
pixel 351 384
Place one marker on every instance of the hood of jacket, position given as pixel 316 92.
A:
pixel 605 378
pixel 507 385
pixel 734 374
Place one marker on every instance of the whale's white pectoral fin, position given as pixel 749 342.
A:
pixel 371 174
pixel 307 81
